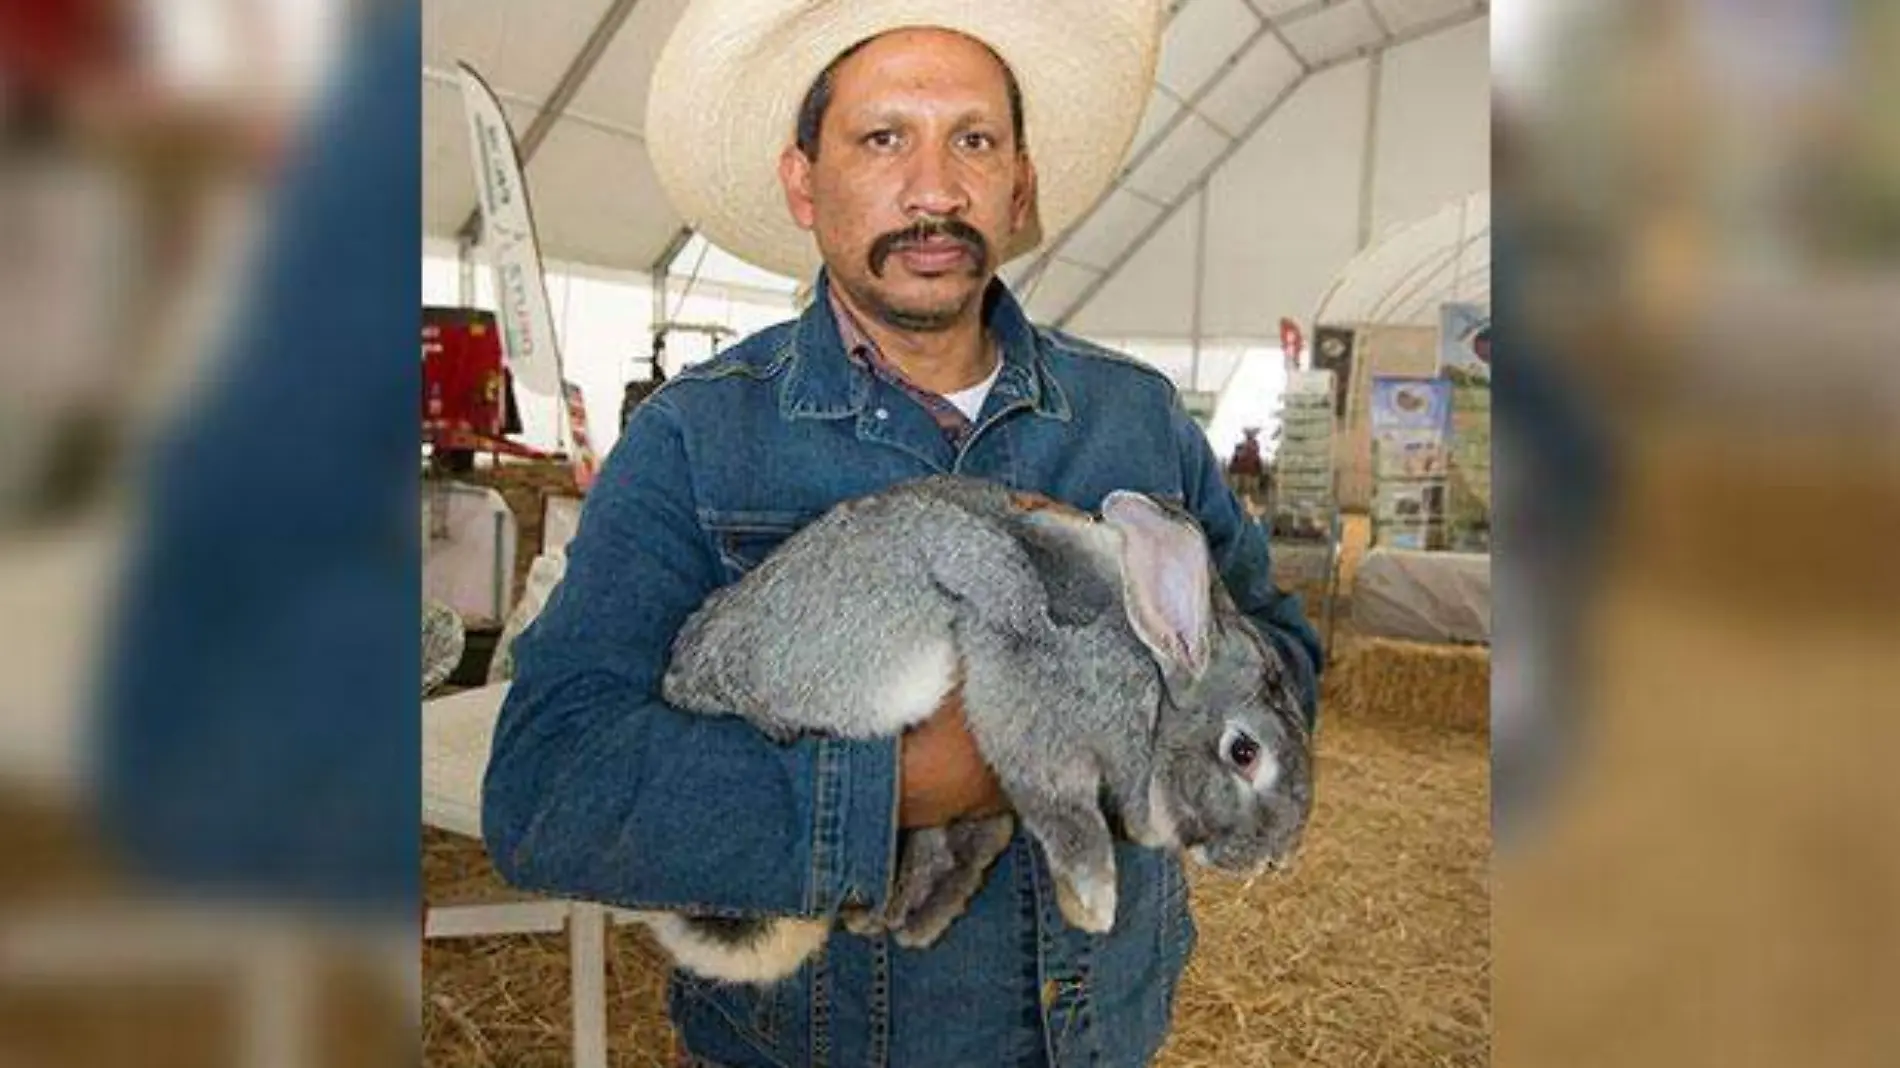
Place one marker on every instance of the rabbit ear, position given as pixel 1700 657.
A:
pixel 1165 581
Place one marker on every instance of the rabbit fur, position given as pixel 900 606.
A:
pixel 1098 657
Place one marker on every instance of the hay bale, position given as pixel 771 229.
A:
pixel 1374 949
pixel 1301 568
pixel 1355 537
pixel 1411 682
pixel 504 1000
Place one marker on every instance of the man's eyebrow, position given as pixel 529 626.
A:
pixel 877 113
pixel 981 114
pixel 873 113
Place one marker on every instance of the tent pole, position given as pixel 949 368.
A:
pixel 1369 158
pixel 1200 287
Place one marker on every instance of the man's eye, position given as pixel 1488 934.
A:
pixel 881 138
pixel 978 141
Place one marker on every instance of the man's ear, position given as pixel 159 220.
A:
pixel 794 173
pixel 1023 211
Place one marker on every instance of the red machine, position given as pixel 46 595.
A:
pixel 467 396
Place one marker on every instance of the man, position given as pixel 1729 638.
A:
pixel 637 392
pixel 909 170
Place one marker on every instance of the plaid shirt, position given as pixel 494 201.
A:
pixel 863 352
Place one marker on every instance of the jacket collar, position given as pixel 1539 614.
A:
pixel 823 384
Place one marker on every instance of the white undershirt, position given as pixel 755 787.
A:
pixel 970 401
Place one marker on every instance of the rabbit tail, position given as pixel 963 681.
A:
pixel 757 950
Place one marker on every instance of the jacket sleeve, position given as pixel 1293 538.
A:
pixel 599 790
pixel 1240 552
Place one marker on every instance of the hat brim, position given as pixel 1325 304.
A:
pixel 728 83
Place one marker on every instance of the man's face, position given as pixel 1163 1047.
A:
pixel 919 184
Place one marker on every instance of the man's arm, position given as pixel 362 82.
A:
pixel 944 777
pixel 1240 552
pixel 598 789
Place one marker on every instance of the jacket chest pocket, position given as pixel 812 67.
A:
pixel 744 539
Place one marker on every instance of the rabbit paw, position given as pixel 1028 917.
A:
pixel 1087 902
pixel 974 846
pixel 926 860
pixel 924 926
pixel 928 856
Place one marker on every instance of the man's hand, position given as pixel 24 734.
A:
pixel 943 776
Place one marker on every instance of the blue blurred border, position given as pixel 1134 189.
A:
pixel 259 734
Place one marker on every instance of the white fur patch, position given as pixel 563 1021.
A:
pixel 1162 832
pixel 778 955
pixel 1266 771
pixel 1094 904
pixel 917 687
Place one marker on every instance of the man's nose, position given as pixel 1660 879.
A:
pixel 933 186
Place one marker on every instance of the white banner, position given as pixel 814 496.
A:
pixel 508 238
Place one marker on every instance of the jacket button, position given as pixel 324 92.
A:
pixel 883 413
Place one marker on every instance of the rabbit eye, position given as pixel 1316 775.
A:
pixel 1241 749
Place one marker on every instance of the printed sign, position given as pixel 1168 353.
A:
pixel 1464 344
pixel 1332 351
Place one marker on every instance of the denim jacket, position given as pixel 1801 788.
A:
pixel 596 789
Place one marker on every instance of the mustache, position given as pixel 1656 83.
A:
pixel 923 230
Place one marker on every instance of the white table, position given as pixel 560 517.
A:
pixel 1423 596
pixel 456 733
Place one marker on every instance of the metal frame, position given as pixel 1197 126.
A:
pixel 565 90
pixel 1433 257
pixel 587 926
pixel 662 269
pixel 451 80
pixel 1268 26
pixel 1369 150
pixel 1274 28
pixel 1390 309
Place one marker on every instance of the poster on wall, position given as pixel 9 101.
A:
pixel 1411 454
pixel 1410 404
pixel 1332 351
pixel 1411 430
pixel 1465 357
pixel 1464 344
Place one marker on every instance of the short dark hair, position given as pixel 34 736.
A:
pixel 811 110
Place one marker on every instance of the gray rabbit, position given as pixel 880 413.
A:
pixel 1098 658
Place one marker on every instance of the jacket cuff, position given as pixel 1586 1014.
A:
pixel 854 846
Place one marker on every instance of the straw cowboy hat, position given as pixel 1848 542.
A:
pixel 728 83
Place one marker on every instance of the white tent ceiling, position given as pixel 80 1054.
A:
pixel 1414 268
pixel 596 200
pixel 1284 137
